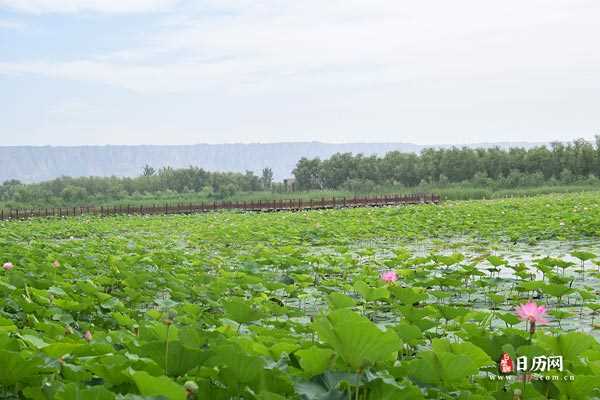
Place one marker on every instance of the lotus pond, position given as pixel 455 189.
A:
pixel 413 302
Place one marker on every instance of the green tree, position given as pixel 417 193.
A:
pixel 267 178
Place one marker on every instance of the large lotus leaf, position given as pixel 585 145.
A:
pixel 569 345
pixel 75 373
pixel 409 333
pixel 113 368
pixel 315 360
pixel 581 388
pixel 180 358
pixel 269 396
pixel 449 260
pixel 59 349
pixel 583 255
pixel 493 344
pixel 496 261
pixel 384 390
pixel 557 290
pixel 370 293
pixel 73 391
pixel 316 391
pixel 326 386
pixel 158 331
pixel 357 340
pixel 442 368
pixel 15 367
pixel 477 355
pixel 339 300
pixel 235 365
pixel 191 337
pixel 408 296
pixel 149 385
pixel 241 311
pixel 6 325
pixel 451 312
pixel 110 368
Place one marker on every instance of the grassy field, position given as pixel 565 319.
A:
pixel 295 305
pixel 448 192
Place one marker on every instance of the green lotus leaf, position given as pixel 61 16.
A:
pixel 358 341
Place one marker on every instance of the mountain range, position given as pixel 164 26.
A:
pixel 40 163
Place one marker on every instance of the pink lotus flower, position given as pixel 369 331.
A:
pixel 8 266
pixel 389 276
pixel 55 264
pixel 532 312
pixel 87 336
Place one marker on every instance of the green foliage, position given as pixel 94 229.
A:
pixel 455 173
pixel 291 306
pixel 511 168
pixel 357 340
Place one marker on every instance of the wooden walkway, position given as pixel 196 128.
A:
pixel 244 206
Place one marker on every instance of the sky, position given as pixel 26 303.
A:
pixel 87 72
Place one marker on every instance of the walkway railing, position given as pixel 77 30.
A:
pixel 191 208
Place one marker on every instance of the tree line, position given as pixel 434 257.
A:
pixel 559 163
pixel 164 181
pixel 577 162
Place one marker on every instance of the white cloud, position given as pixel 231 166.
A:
pixel 12 25
pixel 339 68
pixel 75 6
pixel 243 45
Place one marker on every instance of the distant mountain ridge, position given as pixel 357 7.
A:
pixel 40 163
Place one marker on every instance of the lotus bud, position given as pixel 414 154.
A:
pixel 191 388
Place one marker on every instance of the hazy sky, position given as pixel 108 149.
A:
pixel 178 71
